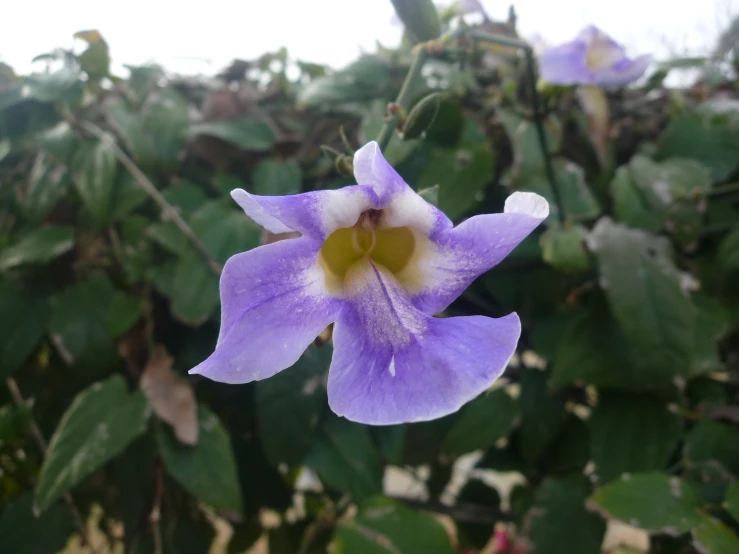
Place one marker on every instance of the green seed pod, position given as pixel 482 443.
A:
pixel 420 18
pixel 422 116
pixel 344 165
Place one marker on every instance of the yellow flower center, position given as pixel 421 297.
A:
pixel 390 247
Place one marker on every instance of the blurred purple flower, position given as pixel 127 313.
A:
pixel 378 261
pixel 593 58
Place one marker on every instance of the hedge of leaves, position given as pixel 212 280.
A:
pixel 621 404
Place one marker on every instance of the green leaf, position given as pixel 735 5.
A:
pixel 78 325
pixel 731 503
pixel 38 246
pixel 94 168
pixel 712 441
pixel 631 433
pixel 48 182
pixel 558 521
pixel 712 141
pixel 13 422
pixel 578 201
pixel 22 325
pixel 462 175
pixel 668 194
pixel 245 133
pixel 527 152
pixel 122 314
pixel 570 451
pixel 481 423
pixel 650 501
pixel 564 249
pixel 273 177
pixel 728 252
pixel 344 457
pixel 24 532
pixel 712 323
pixel 542 414
pixel 102 420
pixel 384 526
pixel 224 231
pixel 644 291
pixel 206 470
pixel 593 350
pixel 713 537
pixel 289 404
pixel 64 85
pixel 366 78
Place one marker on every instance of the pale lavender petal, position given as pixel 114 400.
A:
pixel 315 214
pixel 401 205
pixel 565 64
pixel 394 364
pixel 274 304
pixel 460 255
pixel 624 73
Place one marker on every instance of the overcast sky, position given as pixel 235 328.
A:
pixel 207 36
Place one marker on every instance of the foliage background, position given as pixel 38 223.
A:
pixel 621 404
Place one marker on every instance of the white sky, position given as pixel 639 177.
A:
pixel 205 37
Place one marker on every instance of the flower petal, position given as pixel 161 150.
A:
pixel 401 205
pixel 459 256
pixel 565 64
pixel 393 363
pixel 274 304
pixel 625 72
pixel 315 214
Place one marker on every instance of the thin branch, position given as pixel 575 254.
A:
pixel 156 510
pixel 391 121
pixel 169 212
pixel 461 511
pixel 38 436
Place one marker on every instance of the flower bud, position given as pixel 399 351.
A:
pixel 422 116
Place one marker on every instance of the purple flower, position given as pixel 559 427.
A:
pixel 378 261
pixel 593 58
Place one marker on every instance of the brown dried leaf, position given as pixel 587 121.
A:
pixel 170 397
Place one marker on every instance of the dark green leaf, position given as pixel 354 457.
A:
pixel 542 414
pixel 102 420
pixel 22 325
pixel 24 532
pixel 38 246
pixel 481 423
pixel 289 404
pixel 728 252
pixel 273 177
pixel 48 182
pixel 558 521
pixel 577 199
pixel 206 470
pixel 246 133
pixel 94 168
pixel 462 175
pixel 650 501
pixel 122 314
pixel 570 451
pixel 78 325
pixel 224 231
pixel 527 151
pixel 713 537
pixel 731 502
pixel 564 249
pixel 712 441
pixel 712 141
pixel 631 433
pixel 644 290
pixel 383 526
pixel 344 457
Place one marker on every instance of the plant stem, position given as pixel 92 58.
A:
pixel 478 36
pixel 723 189
pixel 391 121
pixel 168 211
pixel 38 436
